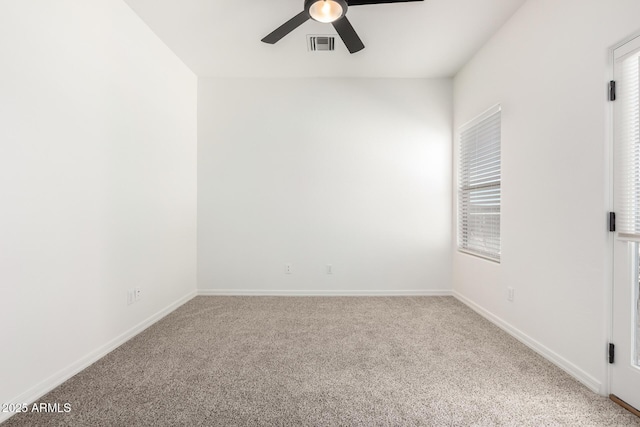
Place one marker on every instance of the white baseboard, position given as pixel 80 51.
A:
pixel 39 390
pixel 577 373
pixel 258 292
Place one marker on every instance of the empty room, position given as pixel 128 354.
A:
pixel 320 212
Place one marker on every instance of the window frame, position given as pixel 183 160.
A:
pixel 487 190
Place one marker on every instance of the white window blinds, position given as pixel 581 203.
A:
pixel 479 186
pixel 627 145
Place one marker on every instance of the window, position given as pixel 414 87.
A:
pixel 479 178
pixel 627 160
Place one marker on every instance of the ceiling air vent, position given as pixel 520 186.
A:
pixel 321 43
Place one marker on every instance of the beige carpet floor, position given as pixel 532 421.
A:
pixel 311 361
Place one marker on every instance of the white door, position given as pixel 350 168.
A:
pixel 625 371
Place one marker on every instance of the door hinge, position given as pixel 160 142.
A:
pixel 612 352
pixel 612 221
pixel 612 90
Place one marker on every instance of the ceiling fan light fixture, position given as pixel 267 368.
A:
pixel 326 11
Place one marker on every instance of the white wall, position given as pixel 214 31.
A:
pixel 97 184
pixel 548 67
pixel 355 173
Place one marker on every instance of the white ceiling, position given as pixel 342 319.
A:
pixel 431 38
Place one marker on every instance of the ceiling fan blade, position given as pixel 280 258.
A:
pixel 286 28
pixel 364 2
pixel 348 35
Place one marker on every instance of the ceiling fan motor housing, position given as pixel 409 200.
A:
pixel 309 4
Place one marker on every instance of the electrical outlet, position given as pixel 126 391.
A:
pixel 510 294
pixel 133 295
pixel 288 269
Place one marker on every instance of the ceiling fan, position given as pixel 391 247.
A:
pixel 328 11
